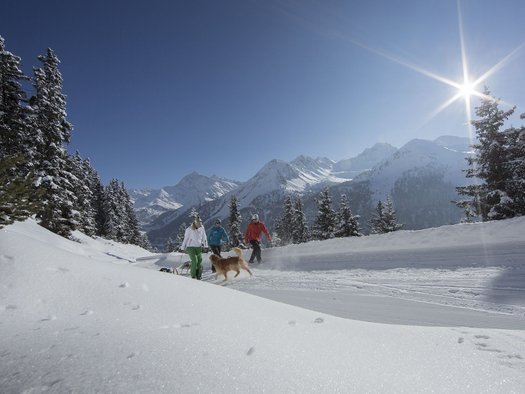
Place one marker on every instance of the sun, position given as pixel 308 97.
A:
pixel 467 89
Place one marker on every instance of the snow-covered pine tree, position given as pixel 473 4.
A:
pixel 133 234
pixel 180 234
pixel 389 216
pixel 515 183
pixel 170 246
pixel 111 212
pixel 52 132
pixel 384 218
pixel 285 224
pixel 376 221
pixel 83 210
pixel 324 225
pixel 144 242
pixel 194 214
pixel 19 199
pixel 120 221
pixel 96 188
pixel 347 223
pixel 489 197
pixel 14 115
pixel 301 232
pixel 236 237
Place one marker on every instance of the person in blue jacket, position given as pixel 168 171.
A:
pixel 217 236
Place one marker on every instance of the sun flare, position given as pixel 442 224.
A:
pixel 467 89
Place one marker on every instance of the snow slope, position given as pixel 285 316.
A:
pixel 80 317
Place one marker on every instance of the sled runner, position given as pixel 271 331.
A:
pixel 182 269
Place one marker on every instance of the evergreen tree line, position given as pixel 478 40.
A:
pixel 292 226
pixel 37 174
pixel 497 167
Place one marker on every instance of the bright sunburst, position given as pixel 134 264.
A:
pixel 467 89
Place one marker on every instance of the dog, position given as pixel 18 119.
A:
pixel 232 263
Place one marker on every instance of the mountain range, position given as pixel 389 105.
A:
pixel 420 177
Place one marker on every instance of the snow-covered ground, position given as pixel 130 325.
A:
pixel 97 316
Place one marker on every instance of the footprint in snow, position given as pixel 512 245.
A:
pixel 136 307
pixel 481 336
pixel 250 351
pixel 87 312
pixel 461 340
pixel 291 323
pixel 125 284
pixel 49 318
pixel 319 320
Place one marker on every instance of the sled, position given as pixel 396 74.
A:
pixel 183 268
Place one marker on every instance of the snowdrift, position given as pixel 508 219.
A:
pixel 79 317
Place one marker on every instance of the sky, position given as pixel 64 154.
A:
pixel 159 89
pixel 91 315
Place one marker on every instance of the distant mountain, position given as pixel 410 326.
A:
pixel 421 178
pixel 194 189
pixel 458 144
pixel 370 157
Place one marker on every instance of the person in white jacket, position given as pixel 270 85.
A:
pixel 194 240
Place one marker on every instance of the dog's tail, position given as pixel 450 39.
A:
pixel 237 251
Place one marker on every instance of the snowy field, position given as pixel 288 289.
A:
pixel 437 310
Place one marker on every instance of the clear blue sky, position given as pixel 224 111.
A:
pixel 158 89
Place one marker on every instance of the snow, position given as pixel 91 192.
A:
pixel 92 315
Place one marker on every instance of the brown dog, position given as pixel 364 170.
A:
pixel 232 263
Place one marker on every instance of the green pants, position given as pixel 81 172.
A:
pixel 195 253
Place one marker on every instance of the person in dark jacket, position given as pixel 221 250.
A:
pixel 253 236
pixel 217 236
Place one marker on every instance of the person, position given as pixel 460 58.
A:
pixel 253 236
pixel 216 237
pixel 194 240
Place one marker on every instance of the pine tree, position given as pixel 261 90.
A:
pixel 236 237
pixel 132 233
pixel 300 233
pixel 110 211
pixel 96 193
pixel 120 221
pixel 83 210
pixel 384 218
pixel 376 221
pixel 389 216
pixel 180 234
pixel 515 183
pixel 14 115
pixel 347 223
pixel 19 199
pixel 51 132
pixel 170 246
pixel 324 225
pixel 488 198
pixel 285 224
pixel 194 214
pixel 144 242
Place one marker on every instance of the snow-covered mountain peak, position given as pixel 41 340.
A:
pixel 458 144
pixel 191 190
pixel 366 160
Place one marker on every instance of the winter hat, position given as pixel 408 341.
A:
pixel 255 217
